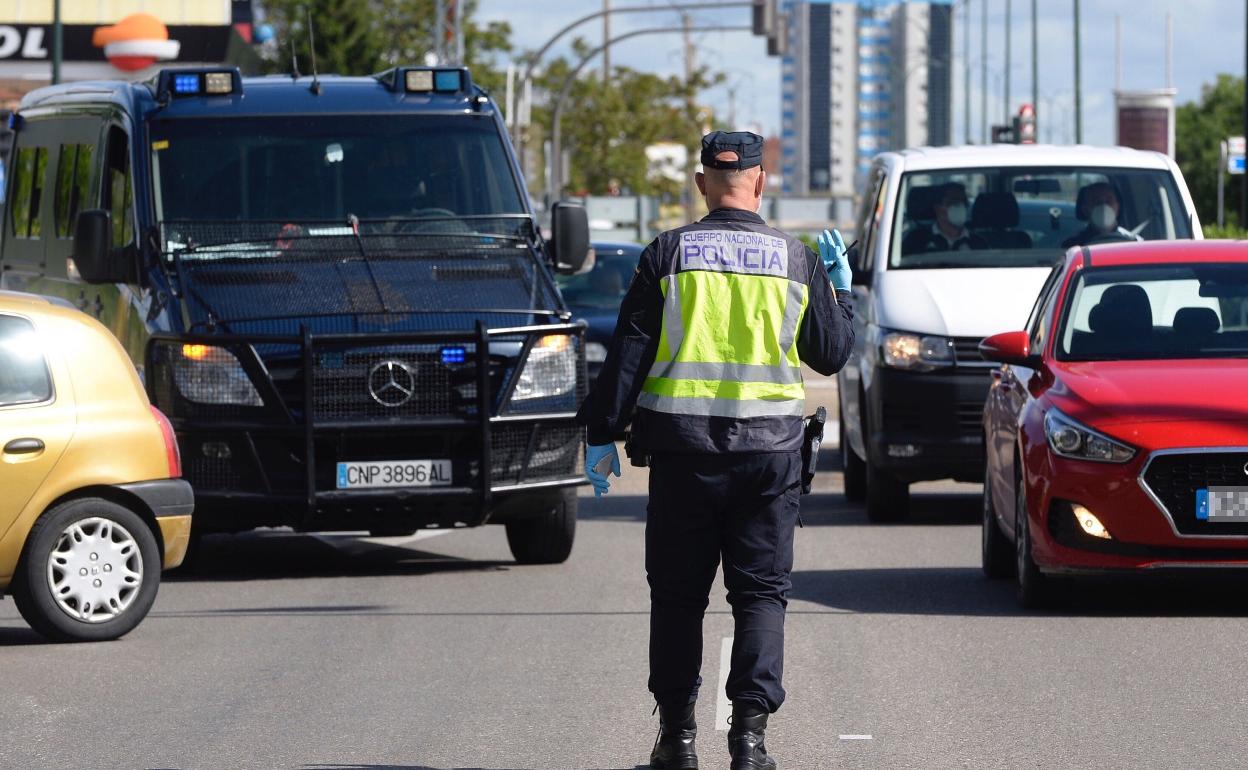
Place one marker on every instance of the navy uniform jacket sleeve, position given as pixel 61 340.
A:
pixel 826 336
pixel 609 407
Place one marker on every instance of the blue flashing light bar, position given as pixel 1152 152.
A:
pixel 187 83
pixel 217 81
pixel 446 81
pixel 456 355
pixel 427 80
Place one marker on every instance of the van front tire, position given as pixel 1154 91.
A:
pixel 853 468
pixel 67 595
pixel 545 538
pixel 888 498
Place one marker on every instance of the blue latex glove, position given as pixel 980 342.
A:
pixel 597 471
pixel 832 252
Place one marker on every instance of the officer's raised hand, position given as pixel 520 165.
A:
pixel 600 462
pixel 832 252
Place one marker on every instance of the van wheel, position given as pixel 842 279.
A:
pixel 854 469
pixel 89 572
pixel 547 537
pixel 888 498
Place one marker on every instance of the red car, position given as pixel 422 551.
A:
pixel 1116 427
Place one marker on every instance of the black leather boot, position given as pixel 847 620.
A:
pixel 673 749
pixel 745 738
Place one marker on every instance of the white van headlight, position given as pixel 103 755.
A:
pixel 919 353
pixel 208 374
pixel 550 369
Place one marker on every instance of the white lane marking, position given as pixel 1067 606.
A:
pixel 723 708
pixel 855 737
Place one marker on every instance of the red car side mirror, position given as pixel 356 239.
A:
pixel 1010 348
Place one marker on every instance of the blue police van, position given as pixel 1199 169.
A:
pixel 334 287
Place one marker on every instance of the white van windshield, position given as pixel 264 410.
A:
pixel 1028 216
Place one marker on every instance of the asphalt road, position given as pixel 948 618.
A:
pixel 438 652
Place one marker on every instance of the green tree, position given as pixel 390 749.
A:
pixel 361 37
pixel 1199 128
pixel 607 128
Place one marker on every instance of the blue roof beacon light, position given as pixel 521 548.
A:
pixel 427 80
pixel 186 83
pixel 198 82
pixel 447 81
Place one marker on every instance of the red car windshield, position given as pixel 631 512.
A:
pixel 1157 312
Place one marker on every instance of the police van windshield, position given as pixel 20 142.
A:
pixel 297 169
pixel 1020 217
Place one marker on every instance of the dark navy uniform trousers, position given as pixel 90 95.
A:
pixel 704 508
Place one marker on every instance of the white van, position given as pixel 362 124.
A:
pixel 954 245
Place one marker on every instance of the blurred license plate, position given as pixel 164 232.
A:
pixel 394 473
pixel 1222 504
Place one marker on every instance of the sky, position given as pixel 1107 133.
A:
pixel 1208 39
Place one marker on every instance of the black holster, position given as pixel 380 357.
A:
pixel 634 448
pixel 811 440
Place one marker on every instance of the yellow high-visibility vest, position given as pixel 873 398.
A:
pixel 728 345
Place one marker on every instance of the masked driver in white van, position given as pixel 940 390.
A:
pixel 948 232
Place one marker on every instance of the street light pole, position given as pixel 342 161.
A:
pixel 1009 60
pixel 983 73
pixel 554 184
pixel 57 40
pixel 1078 81
pixel 966 70
pixel 1035 58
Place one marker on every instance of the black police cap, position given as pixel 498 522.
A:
pixel 748 147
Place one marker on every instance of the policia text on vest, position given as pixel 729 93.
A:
pixel 706 367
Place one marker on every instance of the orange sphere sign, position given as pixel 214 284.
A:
pixel 136 42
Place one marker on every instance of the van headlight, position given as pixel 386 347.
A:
pixel 207 374
pixel 918 353
pixel 550 369
pixel 1077 441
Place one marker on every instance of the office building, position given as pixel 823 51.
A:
pixel 859 77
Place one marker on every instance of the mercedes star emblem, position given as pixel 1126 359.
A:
pixel 392 383
pixel 1246 469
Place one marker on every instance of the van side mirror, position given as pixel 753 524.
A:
pixel 1010 348
pixel 861 275
pixel 93 248
pixel 569 235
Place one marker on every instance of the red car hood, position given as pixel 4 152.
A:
pixel 1156 404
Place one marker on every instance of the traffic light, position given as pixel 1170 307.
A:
pixel 764 17
pixel 770 22
pixel 1022 129
pixel 1025 125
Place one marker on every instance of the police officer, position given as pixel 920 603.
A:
pixel 706 366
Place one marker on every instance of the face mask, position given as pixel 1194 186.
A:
pixel 1103 217
pixel 956 214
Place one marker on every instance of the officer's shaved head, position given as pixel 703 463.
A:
pixel 730 187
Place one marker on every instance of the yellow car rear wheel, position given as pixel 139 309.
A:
pixel 89 572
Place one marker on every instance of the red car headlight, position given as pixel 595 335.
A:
pixel 1074 440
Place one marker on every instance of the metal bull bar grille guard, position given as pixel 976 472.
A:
pixel 494 387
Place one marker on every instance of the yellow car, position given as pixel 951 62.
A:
pixel 91 503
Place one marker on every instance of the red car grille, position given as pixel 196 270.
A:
pixel 1173 479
